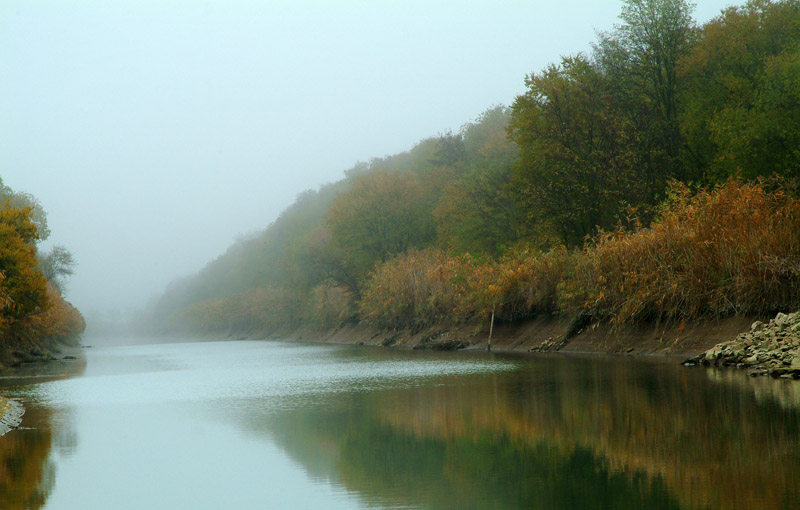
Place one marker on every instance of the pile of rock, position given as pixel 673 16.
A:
pixel 767 349
pixel 10 415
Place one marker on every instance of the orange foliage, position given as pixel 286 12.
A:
pixel 421 287
pixel 58 322
pixel 734 249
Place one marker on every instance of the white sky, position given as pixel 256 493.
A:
pixel 155 132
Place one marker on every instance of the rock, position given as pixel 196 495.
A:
pixel 767 349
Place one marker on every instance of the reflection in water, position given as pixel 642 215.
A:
pixel 27 470
pixel 767 391
pixel 560 433
pixel 343 427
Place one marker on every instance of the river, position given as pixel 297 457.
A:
pixel 254 425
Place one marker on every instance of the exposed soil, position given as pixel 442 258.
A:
pixel 540 334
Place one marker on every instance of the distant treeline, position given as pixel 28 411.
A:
pixel 33 314
pixel 652 177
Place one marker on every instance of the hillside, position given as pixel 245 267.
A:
pixel 650 180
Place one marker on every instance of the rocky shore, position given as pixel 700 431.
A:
pixel 767 349
pixel 10 415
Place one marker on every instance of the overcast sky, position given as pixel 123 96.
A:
pixel 155 133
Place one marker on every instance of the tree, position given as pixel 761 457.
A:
pixel 23 286
pixel 383 214
pixel 742 87
pixel 20 200
pixel 578 157
pixel 478 212
pixel 641 58
pixel 56 265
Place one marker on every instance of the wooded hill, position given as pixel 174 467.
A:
pixel 652 177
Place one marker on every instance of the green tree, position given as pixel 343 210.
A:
pixel 478 212
pixel 383 214
pixel 641 58
pixel 578 157
pixel 740 100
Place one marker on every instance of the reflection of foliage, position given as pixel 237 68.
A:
pixel 621 435
pixel 388 467
pixel 26 474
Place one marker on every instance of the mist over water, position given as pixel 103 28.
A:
pixel 155 134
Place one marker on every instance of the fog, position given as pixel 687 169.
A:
pixel 155 133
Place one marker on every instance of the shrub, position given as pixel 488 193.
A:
pixel 329 306
pixel 422 287
pixel 733 249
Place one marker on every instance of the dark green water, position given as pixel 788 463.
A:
pixel 257 425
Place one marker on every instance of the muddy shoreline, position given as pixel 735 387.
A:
pixel 542 334
pixel 57 364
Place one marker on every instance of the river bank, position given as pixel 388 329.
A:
pixel 542 334
pixel 771 348
pixel 55 364
pixel 11 413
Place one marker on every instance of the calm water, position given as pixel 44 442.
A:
pixel 253 425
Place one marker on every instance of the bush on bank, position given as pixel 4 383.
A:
pixel 732 249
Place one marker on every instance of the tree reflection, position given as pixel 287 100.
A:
pixel 27 469
pixel 558 433
pixel 27 474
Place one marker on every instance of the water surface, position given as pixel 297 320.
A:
pixel 282 425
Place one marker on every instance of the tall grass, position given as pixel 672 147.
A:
pixel 422 287
pixel 734 249
pixel 731 249
pixel 329 306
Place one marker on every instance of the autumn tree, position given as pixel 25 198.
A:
pixel 23 286
pixel 478 212
pixel 20 200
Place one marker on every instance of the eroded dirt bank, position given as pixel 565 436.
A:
pixel 540 334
